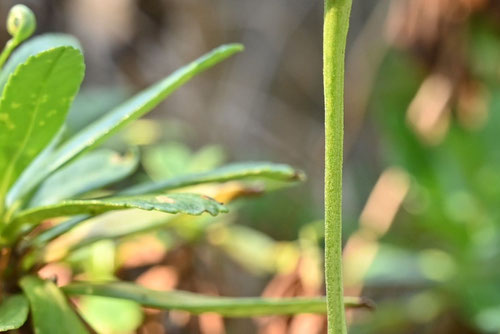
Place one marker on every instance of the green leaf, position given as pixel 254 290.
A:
pixel 110 226
pixel 236 171
pixel 174 159
pixel 13 312
pixel 195 303
pixel 191 204
pixel 92 171
pixel 105 227
pixel 29 177
pixel 111 315
pixel 227 173
pixel 92 103
pixel 103 128
pixel 32 47
pixel 50 309
pixel 58 230
pixel 253 250
pixel 33 107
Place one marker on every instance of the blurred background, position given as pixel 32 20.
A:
pixel 422 157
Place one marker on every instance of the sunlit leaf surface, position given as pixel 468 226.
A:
pixel 32 47
pixel 33 107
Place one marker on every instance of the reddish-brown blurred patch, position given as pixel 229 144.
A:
pixel 292 285
pixel 145 250
pixel 423 24
pixel 159 278
pixel 57 272
pixel 434 31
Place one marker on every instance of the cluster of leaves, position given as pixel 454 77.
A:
pixel 46 175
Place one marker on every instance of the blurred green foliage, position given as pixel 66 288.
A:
pixel 440 257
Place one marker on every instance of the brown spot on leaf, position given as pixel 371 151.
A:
pixel 210 199
pixel 165 199
pixel 116 159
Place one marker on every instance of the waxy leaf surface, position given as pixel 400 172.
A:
pixel 33 108
pixel 92 171
pixel 191 204
pixel 32 47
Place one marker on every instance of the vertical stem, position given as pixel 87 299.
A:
pixel 9 47
pixel 336 25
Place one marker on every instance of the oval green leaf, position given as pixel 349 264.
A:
pixel 32 47
pixel 13 312
pixel 33 108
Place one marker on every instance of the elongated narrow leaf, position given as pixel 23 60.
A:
pixel 90 172
pixel 136 107
pixel 13 312
pixel 191 204
pixel 110 226
pixel 231 172
pixel 92 103
pixel 49 307
pixel 195 303
pixel 107 226
pixel 32 47
pixel 57 230
pixel 236 171
pixel 33 107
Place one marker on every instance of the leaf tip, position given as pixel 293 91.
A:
pixel 234 47
pixel 298 175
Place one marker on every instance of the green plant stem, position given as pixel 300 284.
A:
pixel 197 304
pixel 9 47
pixel 336 25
